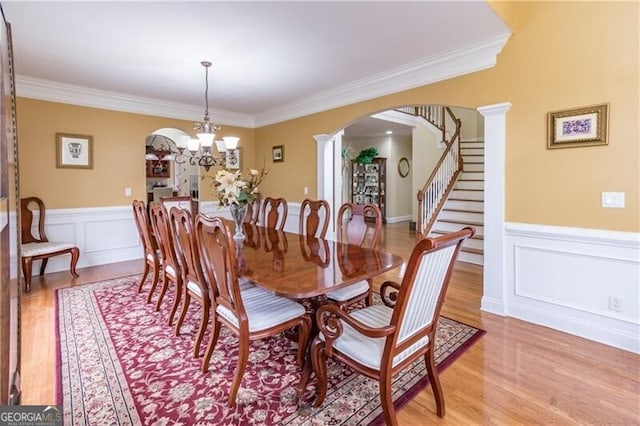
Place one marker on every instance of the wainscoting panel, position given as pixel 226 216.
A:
pixel 565 278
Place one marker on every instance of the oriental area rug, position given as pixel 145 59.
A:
pixel 119 363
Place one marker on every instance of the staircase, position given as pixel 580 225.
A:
pixel 465 204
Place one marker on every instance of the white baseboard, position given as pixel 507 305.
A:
pixel 563 277
pixel 399 219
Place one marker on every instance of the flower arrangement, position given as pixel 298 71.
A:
pixel 232 188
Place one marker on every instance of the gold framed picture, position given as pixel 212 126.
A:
pixel 74 151
pixel 586 126
pixel 277 153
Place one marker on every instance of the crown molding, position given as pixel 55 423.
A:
pixel 47 90
pixel 467 59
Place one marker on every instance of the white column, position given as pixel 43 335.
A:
pixel 325 176
pixel 494 284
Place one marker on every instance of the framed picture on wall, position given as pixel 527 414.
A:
pixel 74 151
pixel 586 126
pixel 277 153
pixel 232 158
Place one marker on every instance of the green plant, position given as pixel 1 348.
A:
pixel 366 156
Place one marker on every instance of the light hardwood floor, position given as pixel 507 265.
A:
pixel 517 373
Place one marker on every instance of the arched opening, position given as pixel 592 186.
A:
pixel 330 185
pixel 165 176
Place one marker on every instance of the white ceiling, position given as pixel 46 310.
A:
pixel 271 60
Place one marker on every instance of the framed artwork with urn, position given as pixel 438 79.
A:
pixel 74 151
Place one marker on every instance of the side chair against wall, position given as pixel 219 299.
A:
pixel 251 313
pixel 189 261
pixel 39 247
pixel 314 218
pixel 274 212
pixel 380 340
pixel 152 259
pixel 360 225
pixel 171 271
pixel 252 214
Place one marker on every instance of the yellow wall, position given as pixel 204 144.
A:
pixel 118 157
pixel 562 55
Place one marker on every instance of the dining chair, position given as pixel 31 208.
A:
pixel 274 212
pixel 380 340
pixel 189 260
pixel 38 247
pixel 252 214
pixel 359 225
pixel 251 313
pixel 152 257
pixel 171 271
pixel 314 218
pixel 182 202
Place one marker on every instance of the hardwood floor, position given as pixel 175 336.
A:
pixel 517 373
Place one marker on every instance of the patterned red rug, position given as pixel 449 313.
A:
pixel 119 363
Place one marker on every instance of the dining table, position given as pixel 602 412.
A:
pixel 305 268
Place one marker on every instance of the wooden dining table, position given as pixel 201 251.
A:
pixel 301 267
pixel 306 268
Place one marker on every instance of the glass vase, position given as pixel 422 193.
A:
pixel 237 213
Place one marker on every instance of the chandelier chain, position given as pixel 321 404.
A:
pixel 206 90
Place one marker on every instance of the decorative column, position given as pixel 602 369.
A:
pixel 494 284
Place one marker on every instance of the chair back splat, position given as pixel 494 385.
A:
pixel 380 340
pixel 314 218
pixel 358 225
pixel 38 247
pixel 252 214
pixel 274 212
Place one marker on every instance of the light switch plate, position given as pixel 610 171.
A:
pixel 613 200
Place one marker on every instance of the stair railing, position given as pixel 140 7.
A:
pixel 434 193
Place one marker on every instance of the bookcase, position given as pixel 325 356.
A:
pixel 368 183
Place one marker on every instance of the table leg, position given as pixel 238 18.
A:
pixel 312 307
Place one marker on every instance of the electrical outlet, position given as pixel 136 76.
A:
pixel 127 192
pixel 615 303
pixel 306 190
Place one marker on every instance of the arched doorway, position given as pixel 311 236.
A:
pixel 329 181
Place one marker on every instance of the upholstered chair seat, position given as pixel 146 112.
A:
pixel 345 294
pixel 264 310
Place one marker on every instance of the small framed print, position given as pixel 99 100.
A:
pixel 232 158
pixel 74 151
pixel 585 126
pixel 277 153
